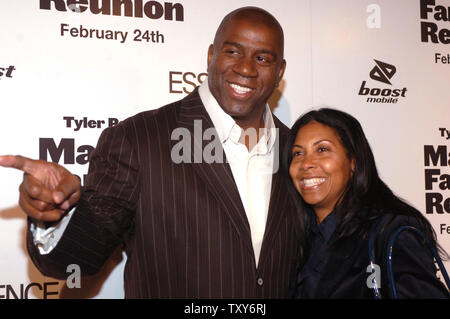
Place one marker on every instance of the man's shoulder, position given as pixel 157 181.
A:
pixel 168 113
pixel 283 130
pixel 278 123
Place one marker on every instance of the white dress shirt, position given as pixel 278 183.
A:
pixel 252 171
pixel 47 238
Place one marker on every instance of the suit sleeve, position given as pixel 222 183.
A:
pixel 105 213
pixel 414 269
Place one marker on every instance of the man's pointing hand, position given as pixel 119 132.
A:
pixel 47 189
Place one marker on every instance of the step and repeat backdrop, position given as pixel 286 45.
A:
pixel 69 69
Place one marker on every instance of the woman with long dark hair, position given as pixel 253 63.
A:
pixel 331 168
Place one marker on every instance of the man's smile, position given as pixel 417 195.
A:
pixel 240 91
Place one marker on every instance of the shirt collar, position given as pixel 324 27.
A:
pixel 326 228
pixel 226 126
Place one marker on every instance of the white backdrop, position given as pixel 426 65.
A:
pixel 50 77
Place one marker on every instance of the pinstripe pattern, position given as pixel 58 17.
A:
pixel 183 226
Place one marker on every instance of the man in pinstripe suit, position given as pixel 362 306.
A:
pixel 191 228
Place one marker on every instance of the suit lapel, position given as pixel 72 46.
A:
pixel 280 202
pixel 217 176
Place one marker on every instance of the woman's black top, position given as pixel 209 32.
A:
pixel 309 275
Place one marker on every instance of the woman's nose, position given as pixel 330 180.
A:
pixel 308 162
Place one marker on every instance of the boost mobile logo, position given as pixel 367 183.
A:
pixel 382 72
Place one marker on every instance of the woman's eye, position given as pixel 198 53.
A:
pixel 322 149
pixel 297 153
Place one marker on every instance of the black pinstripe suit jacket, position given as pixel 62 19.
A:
pixel 183 226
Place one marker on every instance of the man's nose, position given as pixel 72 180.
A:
pixel 246 66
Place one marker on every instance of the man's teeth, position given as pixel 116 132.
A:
pixel 240 89
pixel 313 181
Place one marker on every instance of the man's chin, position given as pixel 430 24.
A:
pixel 240 108
pixel 238 114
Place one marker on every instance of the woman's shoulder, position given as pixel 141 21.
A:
pixel 388 223
pixel 390 220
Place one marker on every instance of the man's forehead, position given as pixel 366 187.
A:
pixel 240 26
pixel 249 15
pixel 248 21
pixel 251 23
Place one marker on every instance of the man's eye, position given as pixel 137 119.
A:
pixel 232 52
pixel 261 59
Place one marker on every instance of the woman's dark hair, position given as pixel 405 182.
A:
pixel 367 197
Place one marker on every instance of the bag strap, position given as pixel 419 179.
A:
pixel 433 250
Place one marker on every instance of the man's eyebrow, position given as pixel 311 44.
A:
pixel 238 45
pixel 232 43
pixel 264 51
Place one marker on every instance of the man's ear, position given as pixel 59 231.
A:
pixel 210 56
pixel 281 73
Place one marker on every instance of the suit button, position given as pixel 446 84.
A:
pixel 260 281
